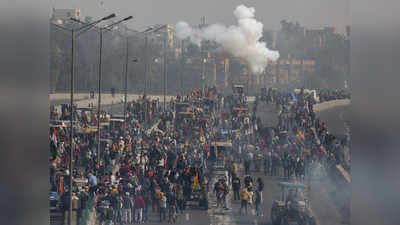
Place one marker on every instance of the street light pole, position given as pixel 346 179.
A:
pixel 99 85
pixel 203 75
pixel 126 82
pixel 126 90
pixel 71 155
pixel 99 98
pixel 145 65
pixel 165 71
pixel 182 65
pixel 71 135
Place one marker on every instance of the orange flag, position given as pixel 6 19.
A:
pixel 61 184
pixel 196 184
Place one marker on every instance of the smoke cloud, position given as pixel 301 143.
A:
pixel 242 40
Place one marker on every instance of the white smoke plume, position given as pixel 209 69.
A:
pixel 242 40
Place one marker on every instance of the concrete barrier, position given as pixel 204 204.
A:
pixel 83 100
pixel 331 104
pixel 86 96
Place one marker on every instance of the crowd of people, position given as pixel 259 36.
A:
pixel 142 164
pixel 299 142
pixel 153 162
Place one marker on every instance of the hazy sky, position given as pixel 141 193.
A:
pixel 310 13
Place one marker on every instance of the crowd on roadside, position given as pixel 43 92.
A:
pixel 138 168
pixel 154 161
pixel 300 144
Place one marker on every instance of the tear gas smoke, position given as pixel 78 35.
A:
pixel 242 40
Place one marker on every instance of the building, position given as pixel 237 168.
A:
pixel 319 38
pixel 286 70
pixel 270 36
pixel 169 32
pixel 60 16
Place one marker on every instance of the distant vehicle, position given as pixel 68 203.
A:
pixel 54 200
pixel 222 135
pixel 292 207
pixel 116 123
pixel 240 111
pixel 198 198
pixel 117 116
pixel 218 152
pixel 238 89
pixel 182 107
pixel 182 111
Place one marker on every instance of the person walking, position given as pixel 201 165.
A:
pixel 171 207
pixel 127 206
pixel 116 204
pixel 244 196
pixel 236 187
pixel 139 205
pixel 226 192
pixel 219 192
pixel 180 198
pixel 260 186
pixel 163 207
pixel 109 216
pixel 257 202
pixel 250 198
pixel 147 203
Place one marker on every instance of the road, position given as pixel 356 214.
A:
pixel 219 216
pixel 321 199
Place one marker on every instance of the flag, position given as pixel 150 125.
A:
pixel 196 184
pixel 216 149
pixel 61 188
pixel 53 138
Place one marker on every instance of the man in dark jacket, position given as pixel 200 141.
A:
pixel 127 205
pixel 236 187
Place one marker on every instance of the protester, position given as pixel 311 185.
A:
pixel 244 196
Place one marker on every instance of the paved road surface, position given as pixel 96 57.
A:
pixel 322 196
pixel 321 199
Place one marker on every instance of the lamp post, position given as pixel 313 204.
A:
pixel 182 69
pixel 126 71
pixel 165 72
pixel 146 68
pixel 126 88
pixel 165 66
pixel 99 84
pixel 126 61
pixel 71 136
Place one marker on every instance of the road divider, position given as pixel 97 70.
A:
pixel 331 104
